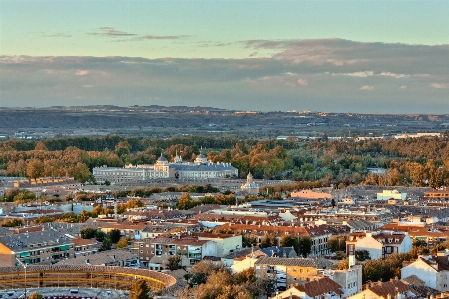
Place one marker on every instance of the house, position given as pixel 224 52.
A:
pixel 40 247
pixel 176 245
pixel 226 243
pixel 391 194
pixel 350 279
pixel 394 288
pixel 379 244
pixel 84 246
pixel 286 271
pixel 432 270
pixel 130 231
pixel 115 257
pixel 318 233
pixel 324 288
pixel 416 231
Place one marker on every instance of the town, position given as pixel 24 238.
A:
pixel 199 228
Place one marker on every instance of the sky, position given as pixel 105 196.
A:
pixel 366 56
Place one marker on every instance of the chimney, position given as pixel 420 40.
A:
pixel 379 282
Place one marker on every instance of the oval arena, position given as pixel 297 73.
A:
pixel 71 276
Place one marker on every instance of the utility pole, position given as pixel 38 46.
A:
pixel 25 270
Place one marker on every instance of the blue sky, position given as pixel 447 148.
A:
pixel 361 56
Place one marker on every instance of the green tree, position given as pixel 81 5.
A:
pixel 106 245
pixel 88 232
pixel 304 246
pixel 114 235
pixel 100 235
pixel 140 290
pixel 336 243
pixel 173 262
pixel 362 255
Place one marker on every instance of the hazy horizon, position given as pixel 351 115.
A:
pixel 334 56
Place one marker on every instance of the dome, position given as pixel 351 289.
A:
pixel 162 159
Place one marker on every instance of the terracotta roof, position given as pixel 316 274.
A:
pixel 413 279
pixel 29 229
pixel 390 288
pixel 319 287
pixel 80 242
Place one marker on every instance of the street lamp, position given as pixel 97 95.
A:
pixel 25 269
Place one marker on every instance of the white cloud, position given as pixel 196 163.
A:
pixel 439 85
pixel 82 72
pixel 303 82
pixel 403 87
pixel 367 87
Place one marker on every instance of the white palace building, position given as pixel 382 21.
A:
pixel 200 169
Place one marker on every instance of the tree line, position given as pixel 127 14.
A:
pixel 418 161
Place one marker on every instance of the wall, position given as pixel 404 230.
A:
pixel 423 271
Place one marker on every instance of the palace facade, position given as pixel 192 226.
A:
pixel 199 169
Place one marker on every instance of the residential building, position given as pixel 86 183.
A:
pixel 115 257
pixel 286 271
pixel 226 243
pixel 41 247
pixel 379 244
pixel 318 233
pixel 130 231
pixel 176 245
pixel 432 270
pixel 324 288
pixel 350 279
pixel 391 194
pixel 391 289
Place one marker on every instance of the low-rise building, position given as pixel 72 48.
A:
pixel 176 245
pixel 390 289
pixel 115 257
pixel 286 271
pixel 391 194
pixel 379 244
pixel 318 288
pixel 432 270
pixel 41 247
